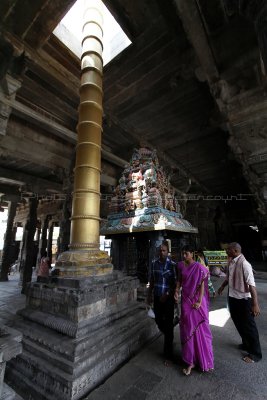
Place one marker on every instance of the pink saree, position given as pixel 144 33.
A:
pixel 195 333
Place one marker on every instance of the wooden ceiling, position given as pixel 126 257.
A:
pixel 191 85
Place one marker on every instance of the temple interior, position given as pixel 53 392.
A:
pixel 110 144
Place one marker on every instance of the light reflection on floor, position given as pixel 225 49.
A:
pixel 219 317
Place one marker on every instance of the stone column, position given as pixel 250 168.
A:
pixel 43 239
pixel 203 212
pixel 64 231
pixel 20 254
pixel 50 239
pixel 84 257
pixel 39 231
pixel 9 240
pixel 27 256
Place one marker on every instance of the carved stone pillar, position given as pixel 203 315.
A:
pixel 38 234
pixel 43 239
pixel 9 241
pixel 20 263
pixel 204 225
pixel 50 239
pixel 64 228
pixel 28 254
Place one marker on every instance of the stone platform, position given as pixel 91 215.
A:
pixel 10 346
pixel 76 332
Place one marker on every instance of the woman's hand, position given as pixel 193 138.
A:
pixel 176 296
pixel 197 305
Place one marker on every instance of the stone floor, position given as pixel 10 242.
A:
pixel 144 377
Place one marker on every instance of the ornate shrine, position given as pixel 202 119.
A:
pixel 144 200
pixel 144 211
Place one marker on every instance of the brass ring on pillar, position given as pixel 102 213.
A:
pixel 90 109
pixel 84 245
pixel 87 191
pixel 91 36
pixel 89 122
pixel 87 166
pixel 92 21
pixel 85 217
pixel 86 52
pixel 91 83
pixel 93 103
pixel 92 143
pixel 91 68
pixel 95 90
pixel 93 61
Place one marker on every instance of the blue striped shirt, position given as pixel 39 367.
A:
pixel 163 274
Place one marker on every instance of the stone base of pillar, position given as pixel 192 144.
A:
pixel 10 346
pixel 74 263
pixel 76 332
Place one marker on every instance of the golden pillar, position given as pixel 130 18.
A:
pixel 84 257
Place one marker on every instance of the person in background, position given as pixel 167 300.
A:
pixel 44 267
pixel 195 333
pixel 202 259
pixel 243 301
pixel 162 285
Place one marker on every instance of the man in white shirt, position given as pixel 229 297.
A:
pixel 243 301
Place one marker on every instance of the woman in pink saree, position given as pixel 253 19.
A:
pixel 195 333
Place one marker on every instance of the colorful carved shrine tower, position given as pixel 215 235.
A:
pixel 144 199
pixel 144 211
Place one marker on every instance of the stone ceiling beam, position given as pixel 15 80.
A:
pixel 35 116
pixel 9 190
pixel 46 62
pixel 56 128
pixel 193 26
pixel 27 179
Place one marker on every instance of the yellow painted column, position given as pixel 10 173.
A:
pixel 84 257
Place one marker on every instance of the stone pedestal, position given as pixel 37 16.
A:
pixel 76 332
pixel 10 346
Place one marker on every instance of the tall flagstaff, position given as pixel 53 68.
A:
pixel 84 256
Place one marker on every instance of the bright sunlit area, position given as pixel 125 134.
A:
pixel 69 31
pixel 3 222
pixel 219 317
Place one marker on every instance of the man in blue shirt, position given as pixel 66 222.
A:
pixel 163 283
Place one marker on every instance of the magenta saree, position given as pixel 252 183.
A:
pixel 195 333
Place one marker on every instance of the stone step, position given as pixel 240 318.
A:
pixel 66 352
pixel 46 382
